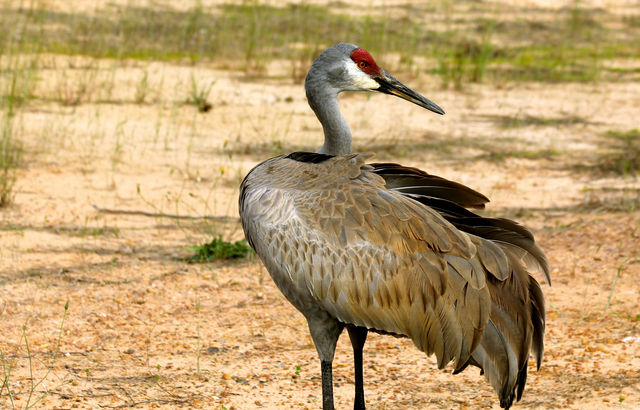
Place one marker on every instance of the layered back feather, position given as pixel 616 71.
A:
pixel 396 250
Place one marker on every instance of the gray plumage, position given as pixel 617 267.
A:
pixel 392 249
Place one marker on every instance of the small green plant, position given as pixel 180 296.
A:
pixel 219 249
pixel 199 95
pixel 142 88
pixel 614 285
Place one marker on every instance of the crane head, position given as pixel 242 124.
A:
pixel 347 67
pixel 386 83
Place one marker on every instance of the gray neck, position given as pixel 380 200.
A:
pixel 337 136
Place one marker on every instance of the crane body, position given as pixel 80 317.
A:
pixel 392 249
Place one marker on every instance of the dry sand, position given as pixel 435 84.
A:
pixel 133 336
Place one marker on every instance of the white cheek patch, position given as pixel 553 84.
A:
pixel 361 80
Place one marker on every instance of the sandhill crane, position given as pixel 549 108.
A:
pixel 392 249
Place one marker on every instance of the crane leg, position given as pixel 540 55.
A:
pixel 358 336
pixel 325 332
pixel 327 385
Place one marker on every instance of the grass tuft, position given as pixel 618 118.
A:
pixel 493 154
pixel 624 200
pixel 10 154
pixel 199 96
pixel 519 121
pixel 219 249
pixel 18 66
pixel 465 59
pixel 621 153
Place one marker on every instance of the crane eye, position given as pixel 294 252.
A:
pixel 362 64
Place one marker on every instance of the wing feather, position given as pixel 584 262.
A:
pixel 394 249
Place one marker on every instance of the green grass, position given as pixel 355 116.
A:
pixel 219 249
pixel 618 154
pixel 10 154
pixel 621 154
pixel 459 149
pixel 18 70
pixel 625 200
pixel 237 32
pixel 497 154
pixel 519 121
pixel 463 59
pixel 569 46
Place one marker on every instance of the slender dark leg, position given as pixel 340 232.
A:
pixel 325 332
pixel 358 336
pixel 327 385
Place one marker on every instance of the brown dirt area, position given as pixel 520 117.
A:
pixel 133 335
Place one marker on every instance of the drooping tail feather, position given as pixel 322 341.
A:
pixel 515 329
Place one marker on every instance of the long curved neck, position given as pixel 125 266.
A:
pixel 337 136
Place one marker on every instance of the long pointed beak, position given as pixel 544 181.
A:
pixel 390 85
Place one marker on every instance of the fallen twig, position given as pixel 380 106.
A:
pixel 162 215
pixel 41 352
pixel 136 403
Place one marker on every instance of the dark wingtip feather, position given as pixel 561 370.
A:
pixel 400 177
pixel 538 320
pixel 522 380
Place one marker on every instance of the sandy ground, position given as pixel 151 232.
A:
pixel 133 335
